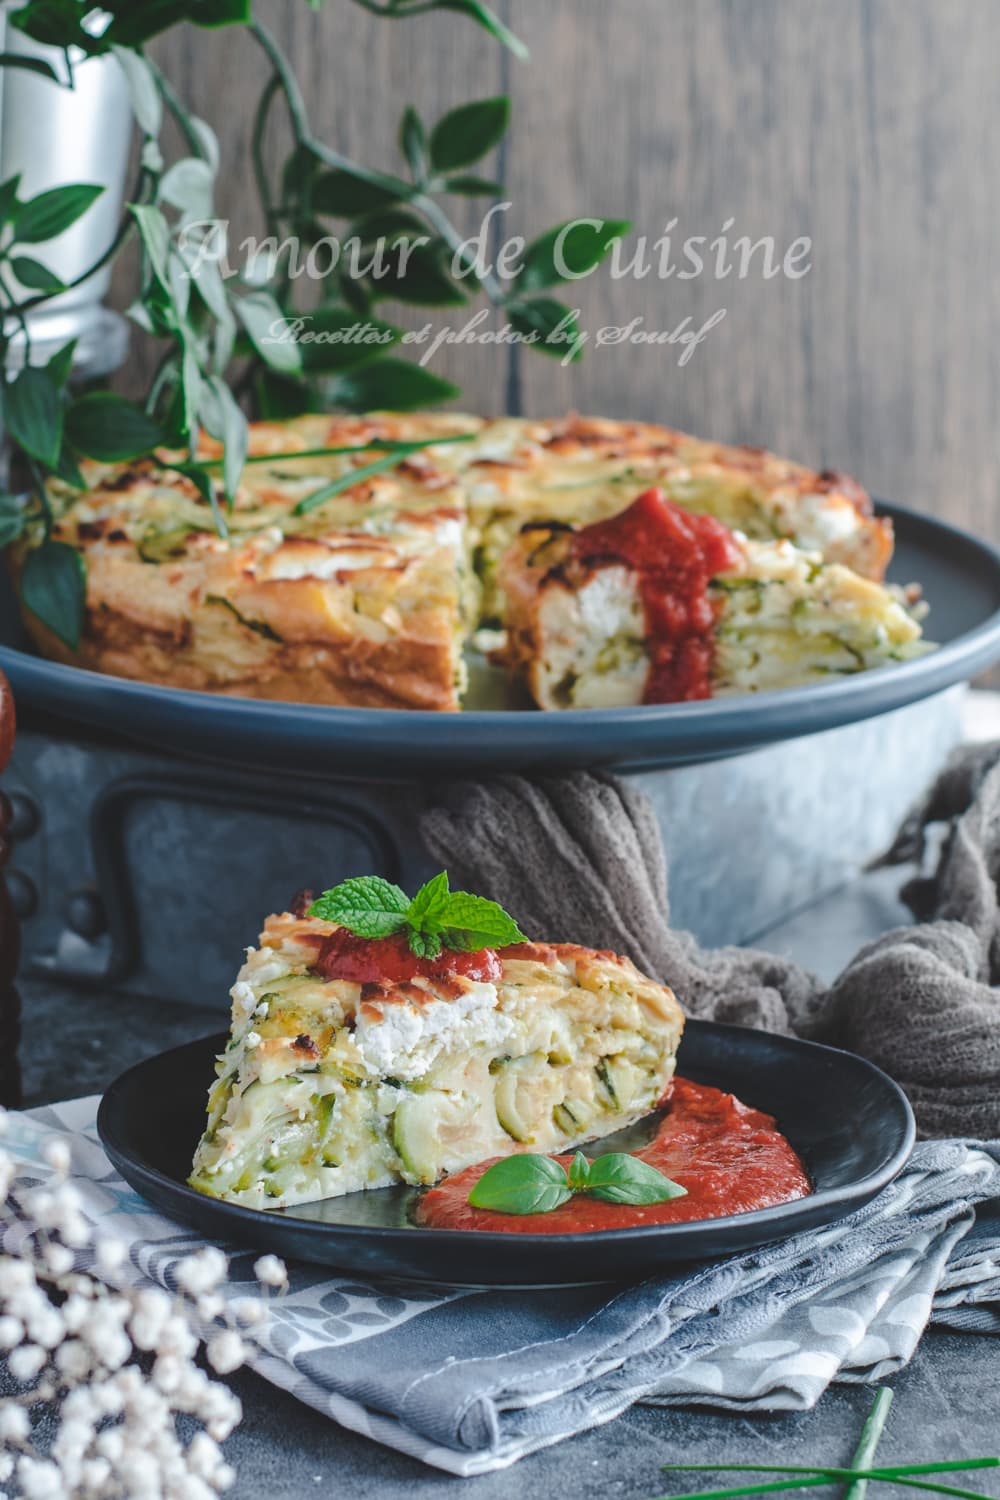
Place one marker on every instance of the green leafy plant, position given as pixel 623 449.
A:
pixel 435 919
pixel 223 358
pixel 530 1184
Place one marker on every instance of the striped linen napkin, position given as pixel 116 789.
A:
pixel 472 1379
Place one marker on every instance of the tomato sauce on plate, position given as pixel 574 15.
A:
pixel 731 1158
pixel 676 555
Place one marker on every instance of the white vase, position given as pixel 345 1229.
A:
pixel 54 135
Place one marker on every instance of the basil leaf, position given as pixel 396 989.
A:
pixel 33 413
pixel 465 134
pixel 54 587
pixel 368 906
pixel 619 1178
pixel 50 213
pixel 568 251
pixel 472 922
pixel 579 1169
pixel 109 428
pixel 33 275
pixel 522 1184
pixel 390 385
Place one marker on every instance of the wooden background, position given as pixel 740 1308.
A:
pixel 869 125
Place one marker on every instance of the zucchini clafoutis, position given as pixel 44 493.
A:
pixel 356 1063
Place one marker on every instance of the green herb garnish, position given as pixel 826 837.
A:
pixel 436 918
pixel 855 1478
pixel 529 1184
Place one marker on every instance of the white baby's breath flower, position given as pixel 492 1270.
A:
pixel 46 1326
pixel 58 1259
pixel 204 1456
pixel 11 1331
pixel 26 1362
pixel 151 1311
pixel 40 1479
pixel 203 1271
pixel 110 1255
pixel 168 1372
pixel 176 1337
pixel 6 1466
pixel 210 1306
pixel 94 1474
pixel 73 1360
pixel 57 1154
pixel 221 1412
pixel 249 1311
pixel 14 1423
pixel 270 1271
pixel 226 1351
pixel 14 1274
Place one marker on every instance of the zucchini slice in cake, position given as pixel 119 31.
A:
pixel 656 605
pixel 352 1063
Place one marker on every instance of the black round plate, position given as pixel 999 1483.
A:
pixel 961 581
pixel 850 1123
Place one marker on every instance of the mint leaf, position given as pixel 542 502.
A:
pixel 620 1178
pixel 436 917
pixel 367 906
pixel 472 922
pixel 423 944
pixel 522 1184
pixel 429 905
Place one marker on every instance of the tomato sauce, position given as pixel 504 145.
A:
pixel 731 1158
pixel 676 555
pixel 390 960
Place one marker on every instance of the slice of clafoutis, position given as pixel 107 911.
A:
pixel 333 1084
pixel 656 605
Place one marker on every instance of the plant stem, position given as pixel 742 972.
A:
pixel 871 1433
pixel 260 118
pixel 299 116
pixel 180 114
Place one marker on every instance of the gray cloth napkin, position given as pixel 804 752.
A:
pixel 580 858
pixel 473 1379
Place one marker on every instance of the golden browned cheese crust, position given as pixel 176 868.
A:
pixel 367 599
